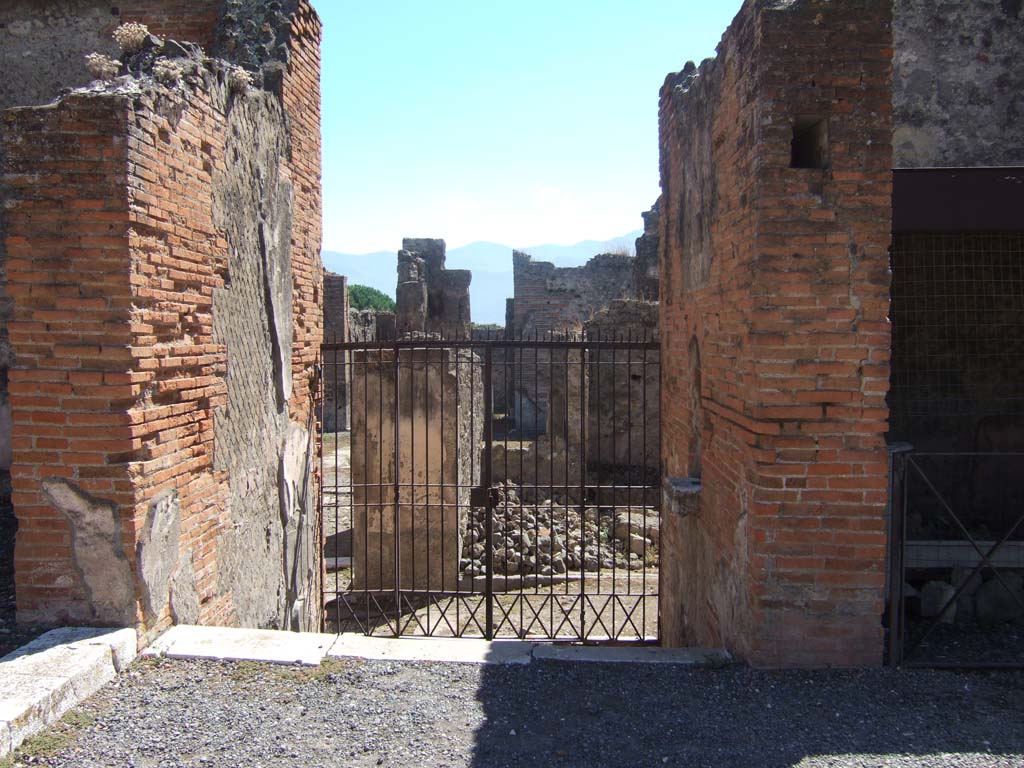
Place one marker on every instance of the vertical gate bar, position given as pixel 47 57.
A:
pixel 485 482
pixel 897 631
pixel 643 477
pixel 897 478
pixel 629 471
pixel 426 470
pixel 583 487
pixel 551 491
pixel 380 473
pixel 565 478
pixel 397 490
pixel 318 409
pixel 661 472
pixel 412 484
pixel 615 490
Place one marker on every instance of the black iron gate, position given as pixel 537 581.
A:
pixel 493 487
pixel 956 594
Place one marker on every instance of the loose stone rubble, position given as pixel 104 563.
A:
pixel 548 538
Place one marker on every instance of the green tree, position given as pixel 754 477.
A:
pixel 365 297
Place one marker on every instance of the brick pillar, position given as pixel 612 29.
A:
pixel 70 389
pixel 776 187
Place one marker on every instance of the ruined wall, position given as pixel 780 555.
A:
pixel 191 251
pixel 958 84
pixel 775 221
pixel 430 298
pixel 439 430
pixel 43 44
pixel 549 299
pixel 645 268
pixel 623 411
pixel 370 325
pixel 335 373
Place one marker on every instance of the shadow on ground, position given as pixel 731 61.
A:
pixel 556 713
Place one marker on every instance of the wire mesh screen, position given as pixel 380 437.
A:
pixel 957 398
pixel 957 337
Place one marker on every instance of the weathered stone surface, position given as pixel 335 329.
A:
pixel 645 269
pixel 98 553
pixel 552 300
pixel 430 298
pixel 44 679
pixel 371 325
pixel 157 552
pixel 335 370
pixel 958 87
pixel 623 400
pixel 254 438
pixel 438 451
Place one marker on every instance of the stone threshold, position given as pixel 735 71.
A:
pixel 43 679
pixel 230 644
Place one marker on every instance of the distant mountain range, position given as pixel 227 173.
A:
pixel 491 264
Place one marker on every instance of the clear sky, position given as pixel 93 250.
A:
pixel 520 123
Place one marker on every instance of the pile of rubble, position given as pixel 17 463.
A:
pixel 549 539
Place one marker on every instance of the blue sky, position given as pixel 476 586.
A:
pixel 525 123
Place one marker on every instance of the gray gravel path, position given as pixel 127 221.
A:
pixel 353 713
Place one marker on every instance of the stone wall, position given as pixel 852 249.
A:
pixel 370 325
pixel 430 298
pixel 550 299
pixel 958 84
pixel 335 372
pixel 775 222
pixel 157 238
pixel 645 269
pixel 623 409
pixel 438 425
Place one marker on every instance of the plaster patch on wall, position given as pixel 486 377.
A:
pixel 97 552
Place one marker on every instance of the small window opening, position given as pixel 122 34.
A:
pixel 810 143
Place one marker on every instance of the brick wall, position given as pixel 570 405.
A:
pixel 155 241
pixel 774 296
pixel 66 173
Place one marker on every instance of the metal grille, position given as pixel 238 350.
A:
pixel 446 516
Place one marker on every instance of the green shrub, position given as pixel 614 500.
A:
pixel 365 297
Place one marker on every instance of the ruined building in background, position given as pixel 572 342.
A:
pixel 554 301
pixel 160 244
pixel 430 298
pixel 334 393
pixel 776 219
pixel 645 268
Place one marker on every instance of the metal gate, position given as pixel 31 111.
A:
pixel 956 597
pixel 493 487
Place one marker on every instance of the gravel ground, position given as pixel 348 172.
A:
pixel 353 713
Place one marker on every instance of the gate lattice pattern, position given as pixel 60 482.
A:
pixel 494 487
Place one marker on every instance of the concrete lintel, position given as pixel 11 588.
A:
pixel 233 644
pixel 443 649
